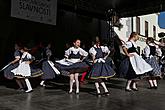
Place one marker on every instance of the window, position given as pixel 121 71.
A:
pixel 146 28
pixel 154 32
pixel 138 25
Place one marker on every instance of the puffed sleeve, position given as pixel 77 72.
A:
pixel 17 54
pixel 158 51
pixel 29 56
pixel 147 51
pixel 92 51
pixel 128 45
pixel 83 52
pixel 68 52
pixel 105 49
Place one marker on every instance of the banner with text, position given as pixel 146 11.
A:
pixel 43 11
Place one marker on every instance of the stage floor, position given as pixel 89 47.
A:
pixel 55 97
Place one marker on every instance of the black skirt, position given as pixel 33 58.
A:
pixel 126 70
pixel 49 73
pixel 7 72
pixel 101 70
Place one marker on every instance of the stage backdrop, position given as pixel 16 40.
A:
pixel 43 11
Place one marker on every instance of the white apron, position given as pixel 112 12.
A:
pixel 23 69
pixel 140 66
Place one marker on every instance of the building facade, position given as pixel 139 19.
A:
pixel 146 26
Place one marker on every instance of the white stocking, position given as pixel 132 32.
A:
pixel 151 83
pixel 28 85
pixel 128 84
pixel 104 86
pixel 97 87
pixel 155 83
pixel 77 82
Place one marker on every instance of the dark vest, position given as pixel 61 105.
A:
pixel 75 56
pixel 152 50
pixel 25 59
pixel 132 49
pixel 99 53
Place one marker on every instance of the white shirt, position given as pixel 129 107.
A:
pixel 147 50
pixel 103 48
pixel 128 44
pixel 75 51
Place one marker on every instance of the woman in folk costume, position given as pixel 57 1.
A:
pixel 133 65
pixel 100 69
pixel 14 64
pixel 162 58
pixel 73 63
pixel 48 66
pixel 151 51
pixel 24 71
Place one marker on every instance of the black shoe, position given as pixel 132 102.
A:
pixel 135 89
pixel 155 87
pixel 43 85
pixel 77 93
pixel 98 94
pixel 28 91
pixel 106 93
pixel 151 87
pixel 128 90
pixel 21 89
pixel 70 92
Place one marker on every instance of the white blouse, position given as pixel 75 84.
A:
pixel 29 56
pixel 147 50
pixel 75 51
pixel 103 48
pixel 128 44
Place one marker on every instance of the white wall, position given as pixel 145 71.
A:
pixel 152 20
pixel 161 30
